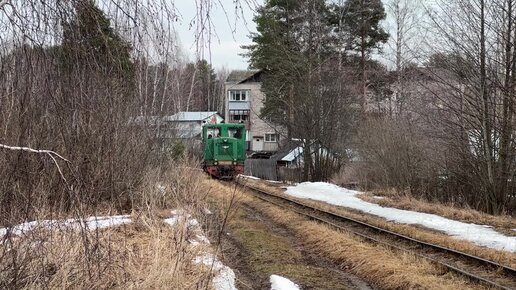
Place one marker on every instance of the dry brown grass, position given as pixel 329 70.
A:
pixel 380 266
pixel 424 234
pixel 146 254
pixel 415 231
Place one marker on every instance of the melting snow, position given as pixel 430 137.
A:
pixel 257 178
pixel 161 188
pixel 175 219
pixel 225 277
pixel 181 216
pixel 481 235
pixel 90 223
pixel 281 283
pixel 248 176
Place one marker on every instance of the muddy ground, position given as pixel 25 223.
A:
pixel 255 248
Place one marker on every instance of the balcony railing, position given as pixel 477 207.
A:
pixel 239 105
pixel 240 116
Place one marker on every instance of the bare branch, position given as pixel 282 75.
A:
pixel 3 3
pixel 27 149
pixel 50 153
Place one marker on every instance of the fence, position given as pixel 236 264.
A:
pixel 268 169
pixel 286 174
pixel 261 168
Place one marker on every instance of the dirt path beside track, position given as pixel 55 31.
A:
pixel 256 247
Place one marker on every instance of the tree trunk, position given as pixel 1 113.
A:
pixel 505 138
pixel 487 132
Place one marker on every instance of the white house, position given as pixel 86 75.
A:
pixel 188 125
pixel 183 125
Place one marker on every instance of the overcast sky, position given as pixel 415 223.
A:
pixel 225 45
pixel 232 29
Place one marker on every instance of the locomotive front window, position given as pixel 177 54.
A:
pixel 213 133
pixel 235 133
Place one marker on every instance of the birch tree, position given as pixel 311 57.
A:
pixel 406 17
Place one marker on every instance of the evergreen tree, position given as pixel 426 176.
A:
pixel 361 20
pixel 89 40
pixel 297 48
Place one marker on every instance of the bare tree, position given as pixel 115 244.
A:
pixel 477 40
pixel 406 16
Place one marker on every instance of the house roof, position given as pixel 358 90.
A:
pixel 295 150
pixel 293 154
pixel 189 116
pixel 238 76
pixel 289 150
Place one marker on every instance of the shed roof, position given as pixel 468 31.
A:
pixel 293 154
pixel 189 116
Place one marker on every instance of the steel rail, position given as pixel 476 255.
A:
pixel 494 266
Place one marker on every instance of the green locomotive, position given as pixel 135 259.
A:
pixel 224 150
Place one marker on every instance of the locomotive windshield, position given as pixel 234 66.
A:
pixel 213 133
pixel 235 133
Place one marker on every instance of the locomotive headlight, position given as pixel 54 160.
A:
pixel 216 162
pixel 234 162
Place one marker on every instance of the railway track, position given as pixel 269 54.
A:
pixel 475 268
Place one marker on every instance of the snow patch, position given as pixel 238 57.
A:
pixel 281 283
pixel 257 178
pixel 181 216
pixel 481 235
pixel 90 223
pixel 161 188
pixel 249 177
pixel 93 223
pixel 225 278
pixel 181 219
pixel 379 197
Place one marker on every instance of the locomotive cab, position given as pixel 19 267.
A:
pixel 224 150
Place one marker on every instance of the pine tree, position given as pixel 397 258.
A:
pixel 297 48
pixel 89 40
pixel 361 20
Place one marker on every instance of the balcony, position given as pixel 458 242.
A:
pixel 239 105
pixel 240 116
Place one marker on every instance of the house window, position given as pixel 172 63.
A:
pixel 240 117
pixel 271 138
pixel 238 96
